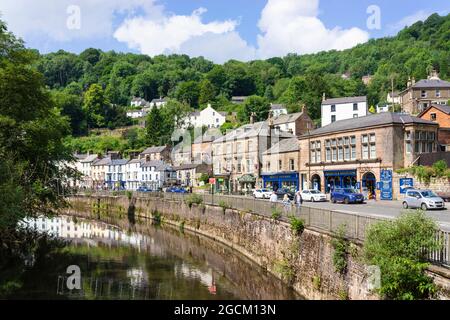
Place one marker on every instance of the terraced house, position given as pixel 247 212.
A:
pixel 360 153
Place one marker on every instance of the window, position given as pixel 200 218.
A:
pixel 408 135
pixel 334 154
pixel 340 154
pixel 239 167
pixel 333 143
pixel 327 143
pixel 372 138
pixel 347 153
pixel 318 156
pixel 365 138
pixel 333 118
pixel 355 116
pixel 340 141
pixel 433 117
pixel 346 140
pixel 313 156
pixel 291 165
pixel 355 107
pixel 268 166
pixel 438 93
pixel 353 149
pixel 353 140
pixel 423 94
pixel 328 155
pixel 333 108
pixel 280 165
pixel 365 152
pixel 373 151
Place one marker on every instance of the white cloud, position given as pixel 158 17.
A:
pixel 168 34
pixel 293 26
pixel 409 20
pixel 48 18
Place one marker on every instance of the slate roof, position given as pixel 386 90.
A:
pixel 344 100
pixel 287 118
pixel 102 162
pixel 432 83
pixel 251 130
pixel 89 158
pixel 286 145
pixel 373 120
pixel 119 162
pixel 277 107
pixel 441 107
pixel 154 150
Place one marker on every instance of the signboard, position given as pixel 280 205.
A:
pixel 212 180
pixel 405 184
pixel 386 185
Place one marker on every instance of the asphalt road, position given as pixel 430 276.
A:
pixel 383 209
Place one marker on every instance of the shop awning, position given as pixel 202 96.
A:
pixel 247 178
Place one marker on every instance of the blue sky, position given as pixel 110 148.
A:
pixel 217 29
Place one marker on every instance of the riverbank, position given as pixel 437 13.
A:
pixel 303 261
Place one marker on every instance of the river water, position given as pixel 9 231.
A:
pixel 142 261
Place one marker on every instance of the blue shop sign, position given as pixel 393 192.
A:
pixel 386 185
pixel 405 184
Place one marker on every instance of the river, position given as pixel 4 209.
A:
pixel 143 261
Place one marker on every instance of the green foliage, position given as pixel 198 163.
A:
pixel 276 214
pixel 96 106
pixel 154 127
pixel 285 269
pixel 129 194
pixel 317 282
pixel 439 168
pixel 193 199
pixel 340 245
pixel 424 173
pixel 224 206
pixel 204 177
pixel 157 217
pixel 297 225
pixel 257 105
pixel 397 248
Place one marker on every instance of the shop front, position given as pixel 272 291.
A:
pixel 340 179
pixel 281 180
pixel 222 183
pixel 247 183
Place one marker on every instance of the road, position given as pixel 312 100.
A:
pixel 382 209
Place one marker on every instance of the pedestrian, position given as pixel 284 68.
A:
pixel 298 199
pixel 273 197
pixel 375 195
pixel 287 203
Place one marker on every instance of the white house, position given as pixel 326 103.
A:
pixel 278 109
pixel 133 174
pixel 85 169
pixel 343 108
pixel 156 174
pixel 135 114
pixel 206 118
pixel 115 173
pixel 158 102
pixel 394 98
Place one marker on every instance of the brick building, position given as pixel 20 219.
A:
pixel 354 152
pixel 441 115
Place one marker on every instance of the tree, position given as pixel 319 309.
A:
pixel 32 153
pixel 154 127
pixel 188 92
pixel 207 92
pixel 71 106
pixel 397 248
pixel 96 107
pixel 269 94
pixel 255 104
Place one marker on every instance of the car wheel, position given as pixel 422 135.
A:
pixel 424 207
pixel 333 200
pixel 405 205
pixel 346 201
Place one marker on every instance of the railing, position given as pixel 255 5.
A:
pixel 314 218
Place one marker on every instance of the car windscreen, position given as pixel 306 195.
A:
pixel 428 194
pixel 350 191
pixel 315 191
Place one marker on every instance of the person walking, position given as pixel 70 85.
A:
pixel 273 197
pixel 287 203
pixel 298 199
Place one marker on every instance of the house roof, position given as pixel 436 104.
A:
pixel 286 145
pixel 206 138
pixel 373 120
pixel 159 100
pixel 431 83
pixel 89 158
pixel 102 162
pixel 79 156
pixel 119 162
pixel 251 130
pixel 344 100
pixel 440 107
pixel 158 149
pixel 287 118
pixel 277 107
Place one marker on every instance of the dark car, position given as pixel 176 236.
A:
pixel 346 195
pixel 282 191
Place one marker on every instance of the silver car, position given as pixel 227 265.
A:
pixel 423 199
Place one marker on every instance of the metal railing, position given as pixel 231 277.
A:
pixel 314 218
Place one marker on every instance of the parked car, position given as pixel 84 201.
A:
pixel 282 191
pixel 262 193
pixel 313 196
pixel 423 199
pixel 143 189
pixel 346 195
pixel 176 190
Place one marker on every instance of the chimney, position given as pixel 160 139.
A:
pixel 324 97
pixel 413 81
pixel 270 120
pixel 304 108
pixel 408 84
pixel 252 118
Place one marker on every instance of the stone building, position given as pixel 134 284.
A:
pixel 418 96
pixel 294 123
pixel 189 175
pixel 280 165
pixel 202 147
pixel 237 156
pixel 356 152
pixel 160 153
pixel 441 115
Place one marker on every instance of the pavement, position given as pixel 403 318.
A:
pixel 382 209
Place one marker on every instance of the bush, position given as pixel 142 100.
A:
pixel 276 214
pixel 397 248
pixel 193 198
pixel 439 168
pixel 224 206
pixel 129 194
pixel 340 245
pixel 297 225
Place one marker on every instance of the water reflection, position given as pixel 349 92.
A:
pixel 144 262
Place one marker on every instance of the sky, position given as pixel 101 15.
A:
pixel 219 30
